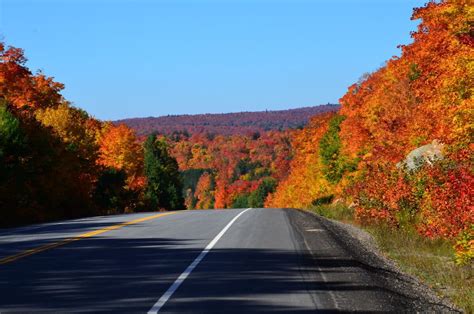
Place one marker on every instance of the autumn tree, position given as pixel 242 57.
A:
pixel 119 149
pixel 20 88
pixel 204 193
pixel 74 127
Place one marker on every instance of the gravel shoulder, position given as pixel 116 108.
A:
pixel 403 292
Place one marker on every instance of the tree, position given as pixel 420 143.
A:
pixel 241 201
pixel 11 136
pixel 334 164
pixel 163 188
pixel 190 179
pixel 110 192
pixel 120 149
pixel 20 87
pixel 73 126
pixel 305 182
pixel 204 192
pixel 257 197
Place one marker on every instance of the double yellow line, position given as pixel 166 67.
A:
pixel 45 247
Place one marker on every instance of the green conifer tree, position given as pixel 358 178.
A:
pixel 164 188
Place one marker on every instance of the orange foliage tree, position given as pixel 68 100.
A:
pixel 204 192
pixel 20 87
pixel 120 149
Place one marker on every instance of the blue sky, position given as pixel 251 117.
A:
pixel 147 58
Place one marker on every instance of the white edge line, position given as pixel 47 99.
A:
pixel 323 276
pixel 165 297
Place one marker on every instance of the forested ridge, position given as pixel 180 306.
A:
pixel 398 151
pixel 237 123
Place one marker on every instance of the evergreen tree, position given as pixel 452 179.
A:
pixel 257 197
pixel 164 188
pixel 11 137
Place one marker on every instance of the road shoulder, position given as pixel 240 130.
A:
pixel 409 292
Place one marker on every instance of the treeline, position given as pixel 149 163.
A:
pixel 400 149
pixel 57 162
pixel 239 123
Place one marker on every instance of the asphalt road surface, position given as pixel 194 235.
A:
pixel 200 261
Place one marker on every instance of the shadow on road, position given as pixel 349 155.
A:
pixel 113 274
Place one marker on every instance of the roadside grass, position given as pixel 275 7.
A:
pixel 430 260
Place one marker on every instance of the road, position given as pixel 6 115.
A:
pixel 200 261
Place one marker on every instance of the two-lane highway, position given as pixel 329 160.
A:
pixel 221 261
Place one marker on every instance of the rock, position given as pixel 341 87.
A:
pixel 426 154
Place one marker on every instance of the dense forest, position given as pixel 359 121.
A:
pixel 231 171
pixel 398 150
pixel 238 123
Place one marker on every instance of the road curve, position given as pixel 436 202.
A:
pixel 200 261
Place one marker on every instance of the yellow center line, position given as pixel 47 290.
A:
pixel 89 234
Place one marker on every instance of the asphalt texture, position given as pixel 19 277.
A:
pixel 268 261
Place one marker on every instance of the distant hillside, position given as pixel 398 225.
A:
pixel 227 123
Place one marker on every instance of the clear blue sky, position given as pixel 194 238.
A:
pixel 147 58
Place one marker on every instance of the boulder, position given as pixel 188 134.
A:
pixel 426 154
